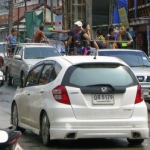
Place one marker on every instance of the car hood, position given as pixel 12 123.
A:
pixel 32 61
pixel 141 70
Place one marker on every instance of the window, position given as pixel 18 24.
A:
pixel 44 78
pixel 19 51
pixel 33 76
pixel 49 73
pixel 132 58
pixel 93 74
pixel 40 52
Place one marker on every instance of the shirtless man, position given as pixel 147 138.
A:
pixel 39 35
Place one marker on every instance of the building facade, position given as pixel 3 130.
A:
pixel 139 18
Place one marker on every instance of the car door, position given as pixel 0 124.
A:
pixel 17 63
pixel 28 93
pixel 40 94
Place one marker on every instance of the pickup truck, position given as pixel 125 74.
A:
pixel 25 56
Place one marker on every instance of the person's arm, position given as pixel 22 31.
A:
pixel 43 35
pixel 60 31
pixel 130 39
pixel 107 41
pixel 87 35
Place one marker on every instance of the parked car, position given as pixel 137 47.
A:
pixel 80 97
pixel 26 55
pixel 139 63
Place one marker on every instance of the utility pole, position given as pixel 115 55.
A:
pixel 88 10
pixel 10 15
pixel 25 5
pixel 52 19
pixel 111 11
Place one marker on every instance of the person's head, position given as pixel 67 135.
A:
pixel 122 30
pixel 14 32
pixel 86 26
pixel 78 25
pixel 111 25
pixel 99 32
pixel 111 30
pixel 41 28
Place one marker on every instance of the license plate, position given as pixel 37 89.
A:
pixel 145 91
pixel 103 99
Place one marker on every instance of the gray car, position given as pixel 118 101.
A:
pixel 139 63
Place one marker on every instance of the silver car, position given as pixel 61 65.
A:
pixel 139 63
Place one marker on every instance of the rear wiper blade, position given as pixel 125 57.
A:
pixel 94 85
pixel 141 66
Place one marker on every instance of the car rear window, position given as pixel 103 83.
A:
pixel 92 74
pixel 132 58
pixel 40 52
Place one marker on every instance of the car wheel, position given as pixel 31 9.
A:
pixel 135 141
pixel 8 79
pixel 14 117
pixel 45 126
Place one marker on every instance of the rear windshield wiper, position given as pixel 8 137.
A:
pixel 141 66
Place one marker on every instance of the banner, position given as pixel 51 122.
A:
pixel 33 19
pixel 123 17
pixel 58 22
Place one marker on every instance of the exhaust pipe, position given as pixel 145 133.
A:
pixel 136 135
pixel 71 136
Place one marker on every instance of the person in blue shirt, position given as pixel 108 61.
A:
pixel 13 40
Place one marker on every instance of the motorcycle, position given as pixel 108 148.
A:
pixel 8 139
pixel 2 80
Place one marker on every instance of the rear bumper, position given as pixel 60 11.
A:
pixel 64 125
pixel 74 133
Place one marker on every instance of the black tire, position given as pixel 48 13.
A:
pixel 45 126
pixel 14 118
pixel 8 79
pixel 2 83
pixel 135 141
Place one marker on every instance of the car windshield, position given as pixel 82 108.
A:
pixel 98 74
pixel 132 58
pixel 40 52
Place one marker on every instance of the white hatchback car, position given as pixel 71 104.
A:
pixel 75 97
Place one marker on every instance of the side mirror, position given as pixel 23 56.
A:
pixel 3 136
pixel 17 82
pixel 18 57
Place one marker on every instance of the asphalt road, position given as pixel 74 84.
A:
pixel 31 141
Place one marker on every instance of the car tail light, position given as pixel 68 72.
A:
pixel 139 95
pixel 60 95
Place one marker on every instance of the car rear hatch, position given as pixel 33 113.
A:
pixel 101 91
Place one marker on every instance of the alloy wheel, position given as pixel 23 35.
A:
pixel 45 126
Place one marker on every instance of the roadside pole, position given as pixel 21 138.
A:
pixel 10 15
pixel 89 13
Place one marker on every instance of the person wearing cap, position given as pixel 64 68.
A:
pixel 74 39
